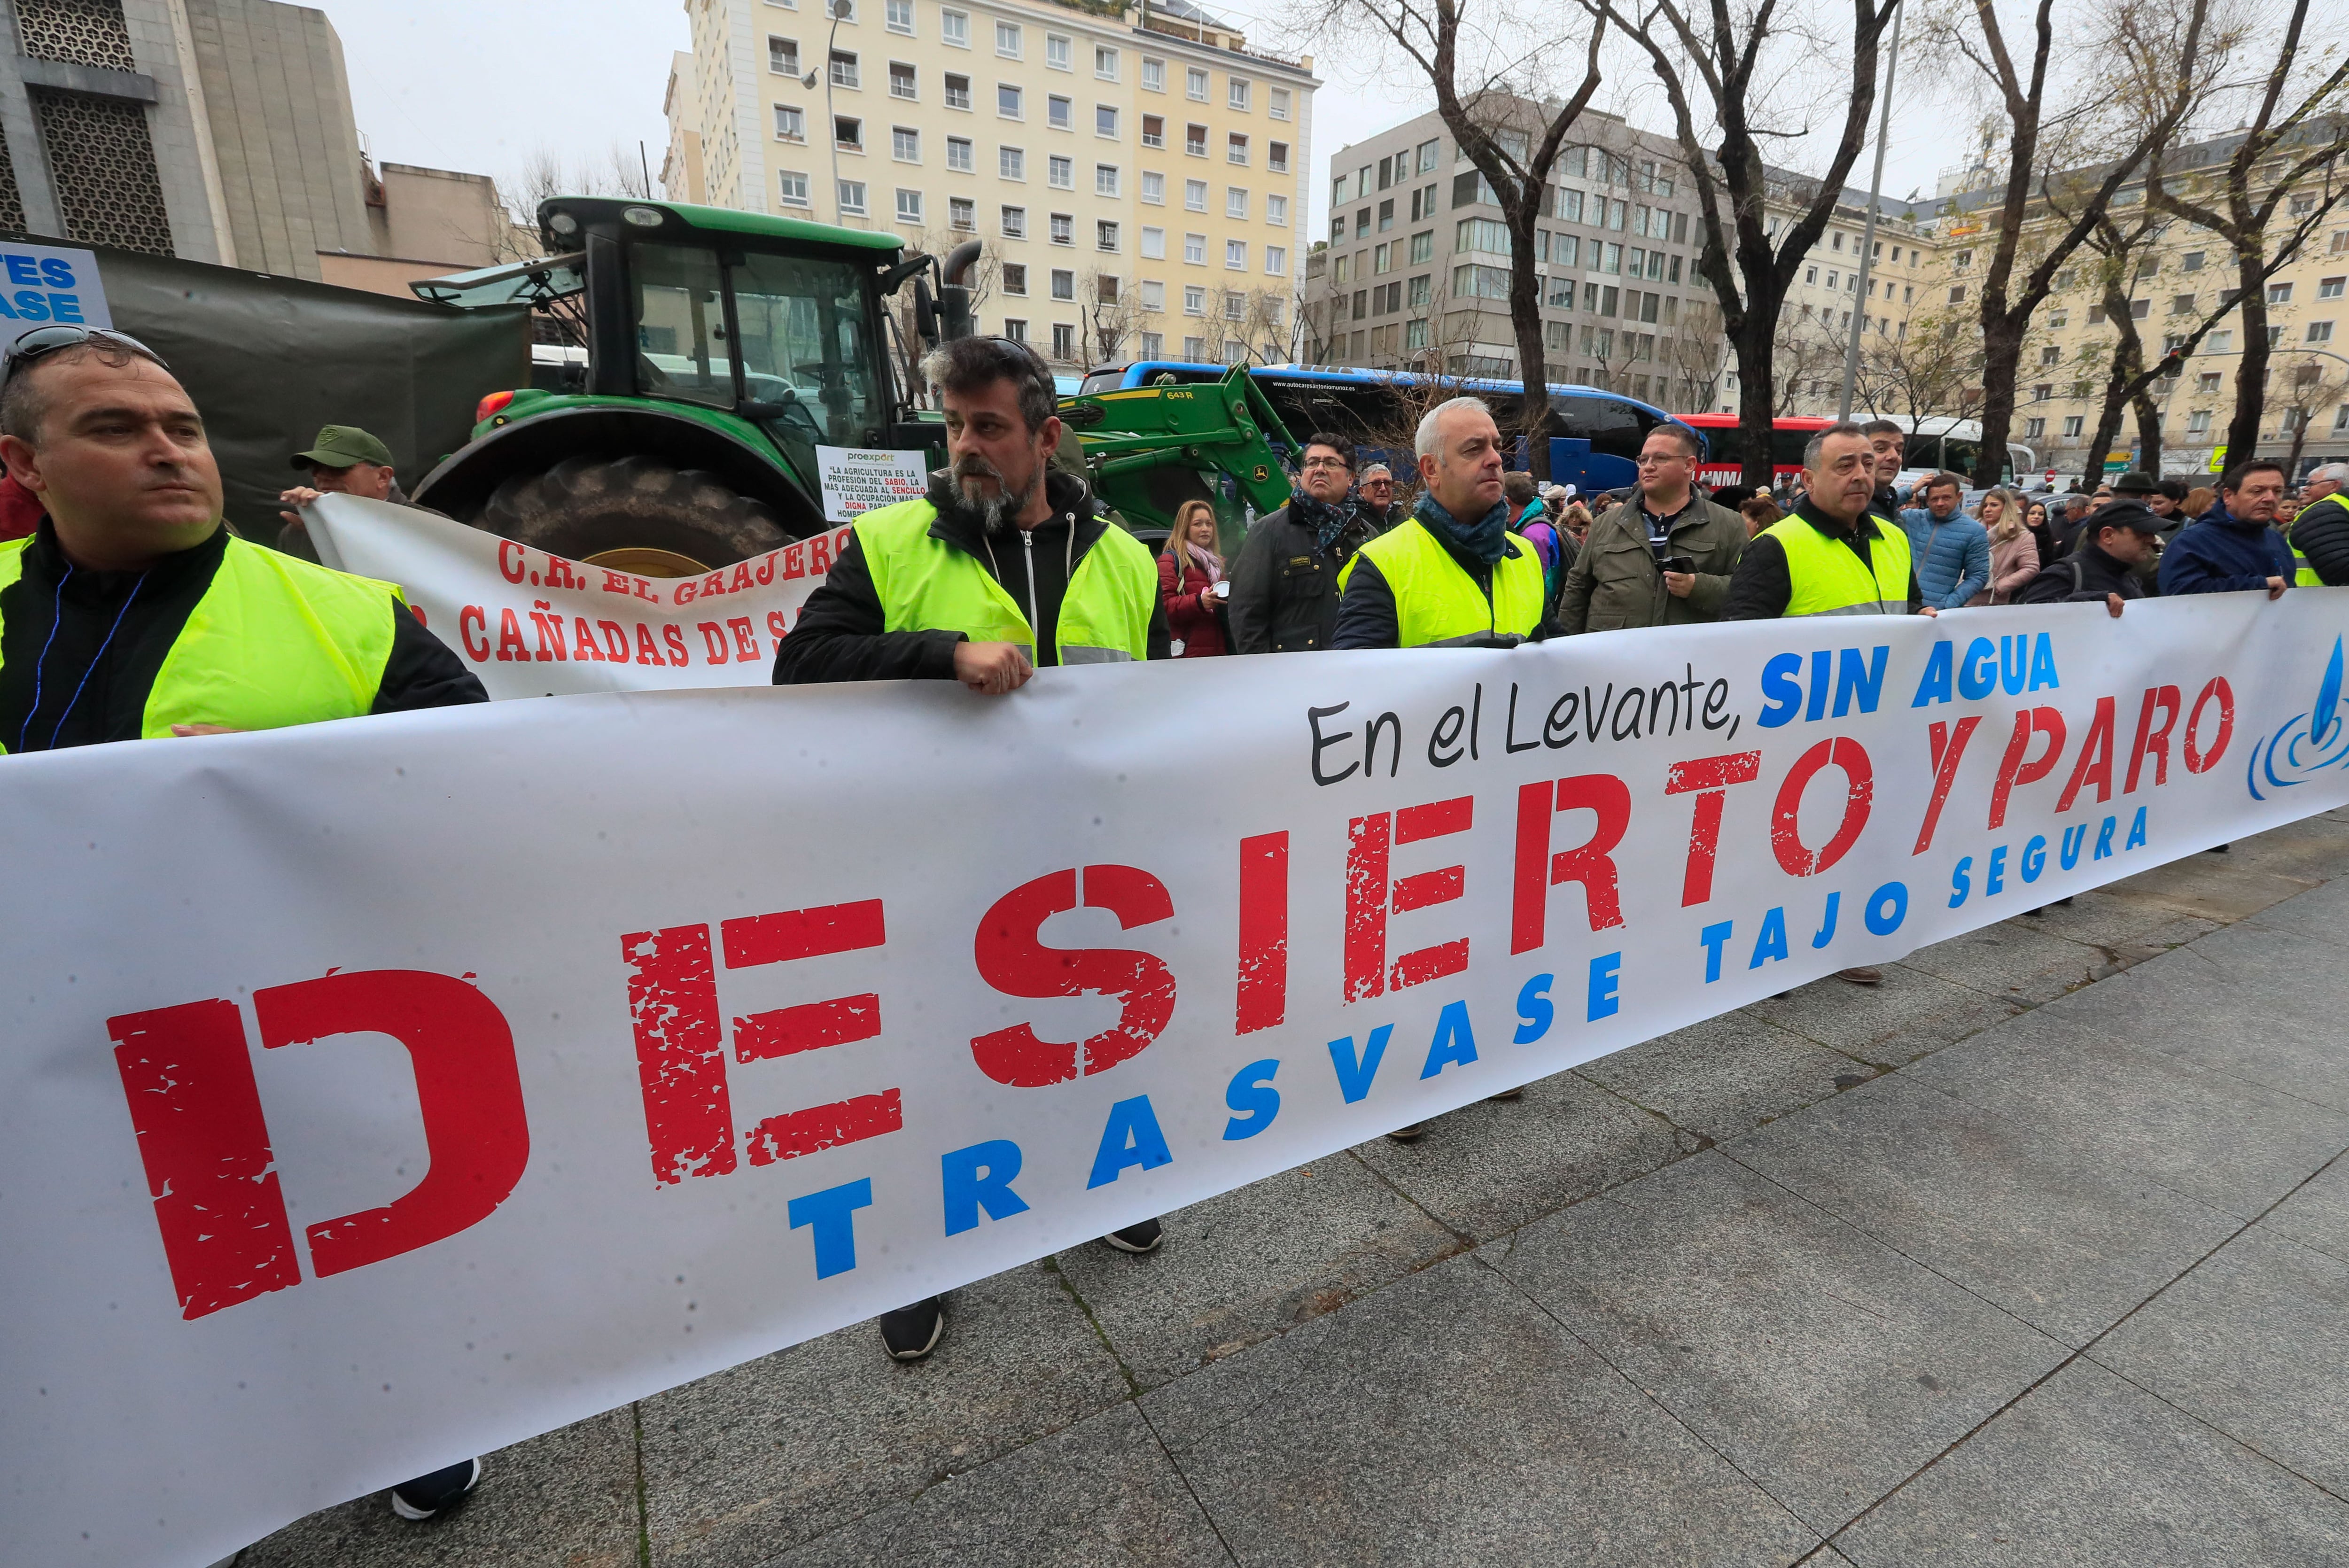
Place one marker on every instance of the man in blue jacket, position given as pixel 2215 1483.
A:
pixel 2235 547
pixel 1951 551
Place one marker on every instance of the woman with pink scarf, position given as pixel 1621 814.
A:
pixel 1189 573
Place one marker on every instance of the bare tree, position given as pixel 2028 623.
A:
pixel 1691 350
pixel 1492 103
pixel 1926 369
pixel 1809 353
pixel 2312 385
pixel 1110 312
pixel 1719 48
pixel 2282 150
pixel 2118 253
pixel 2038 143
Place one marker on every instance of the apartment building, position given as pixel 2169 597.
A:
pixel 1905 281
pixel 1416 265
pixel 1138 181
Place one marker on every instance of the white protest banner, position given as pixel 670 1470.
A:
pixel 48 285
pixel 384 1092
pixel 534 625
pixel 856 480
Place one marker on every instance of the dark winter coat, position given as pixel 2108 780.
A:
pixel 1285 587
pixel 2221 554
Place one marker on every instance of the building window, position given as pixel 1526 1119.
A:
pixel 1423 247
pixel 783 57
pixel 1015 222
pixel 957 92
pixel 1194 249
pixel 1957 294
pixel 1105 290
pixel 2279 293
pixel 962 214
pixel 2329 288
pixel 1154 345
pixel 1239 97
pixel 1064 228
pixel 1235 202
pixel 1017 331
pixel 852 196
pixel 1106 236
pixel 1007 40
pixel 1237 152
pixel 1060 173
pixel 1276 156
pixel 1276 211
pixel 954 27
pixel 2319 332
pixel 1064 341
pixel 847 134
pixel 1154 130
pixel 1104 179
pixel 905 144
pixel 898 15
pixel 2219 342
pixel 790 124
pixel 2071 424
pixel 1236 256
pixel 1235 305
pixel 1194 141
pixel 1195 300
pixel 1105 120
pixel 2051 355
pixel 1195 348
pixel 959 154
pixel 2033 429
pixel 1010 164
pixel 1059 52
pixel 1194 83
pixel 1104 62
pixel 843 69
pixel 795 189
pixel 909 206
pixel 2198 422
pixel 1060 113
pixel 2043 392
pixel 901 80
pixel 1153 244
pixel 1015 278
pixel 1153 189
pixel 1276 261
pixel 1195 195
pixel 1007 100
pixel 2207 381
pixel 1064 284
pixel 1154 74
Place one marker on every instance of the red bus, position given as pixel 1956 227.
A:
pixel 1724 461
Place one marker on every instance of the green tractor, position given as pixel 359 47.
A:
pixel 723 348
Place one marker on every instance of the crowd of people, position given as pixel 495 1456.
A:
pixel 128 610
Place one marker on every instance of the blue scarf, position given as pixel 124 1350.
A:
pixel 1486 539
pixel 1328 520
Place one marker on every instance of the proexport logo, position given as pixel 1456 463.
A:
pixel 2307 743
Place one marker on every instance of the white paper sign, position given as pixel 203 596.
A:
pixel 857 479
pixel 42 285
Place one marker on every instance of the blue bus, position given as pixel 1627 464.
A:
pixel 1593 436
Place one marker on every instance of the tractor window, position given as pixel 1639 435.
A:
pixel 680 318
pixel 806 345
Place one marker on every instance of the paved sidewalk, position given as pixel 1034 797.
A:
pixel 2038 1255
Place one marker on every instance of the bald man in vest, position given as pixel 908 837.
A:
pixel 1003 567
pixel 132 613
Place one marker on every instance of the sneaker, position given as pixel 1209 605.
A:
pixel 1141 1238
pixel 1516 1093
pixel 912 1332
pixel 1861 975
pixel 1408 1134
pixel 430 1496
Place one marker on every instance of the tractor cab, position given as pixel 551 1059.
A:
pixel 721 350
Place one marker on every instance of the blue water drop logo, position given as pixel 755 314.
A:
pixel 2309 743
pixel 2324 717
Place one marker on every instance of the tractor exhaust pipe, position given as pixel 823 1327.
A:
pixel 953 296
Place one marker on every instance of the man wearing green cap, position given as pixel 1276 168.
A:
pixel 344 461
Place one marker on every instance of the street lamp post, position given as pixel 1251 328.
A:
pixel 831 126
pixel 1868 241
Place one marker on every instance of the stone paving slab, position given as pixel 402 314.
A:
pixel 1821 1363
pixel 1447 1419
pixel 1249 1264
pixel 2317 1215
pixel 2091 1471
pixel 1995 1202
pixel 1726 1076
pixel 1911 1014
pixel 2256 1343
pixel 1101 1492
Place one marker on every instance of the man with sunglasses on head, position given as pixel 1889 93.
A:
pixel 132 613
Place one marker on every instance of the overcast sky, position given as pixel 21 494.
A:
pixel 478 85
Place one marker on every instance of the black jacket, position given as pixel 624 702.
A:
pixel 80 650
pixel 2320 533
pixel 1760 588
pixel 841 637
pixel 1366 615
pixel 1285 588
pixel 2084 577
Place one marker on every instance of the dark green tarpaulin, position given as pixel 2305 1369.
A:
pixel 270 359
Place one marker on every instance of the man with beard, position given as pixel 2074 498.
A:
pixel 1003 566
pixel 1284 582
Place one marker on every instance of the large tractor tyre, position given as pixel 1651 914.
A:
pixel 586 506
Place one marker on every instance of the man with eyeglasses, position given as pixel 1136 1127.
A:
pixel 1663 558
pixel 132 613
pixel 1284 582
pixel 1376 492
